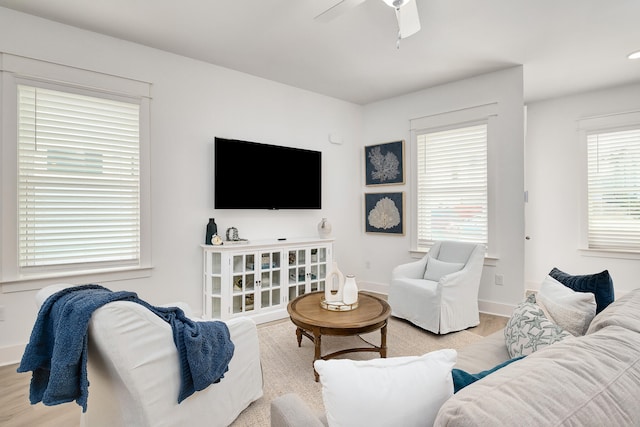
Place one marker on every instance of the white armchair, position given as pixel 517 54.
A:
pixel 134 376
pixel 439 293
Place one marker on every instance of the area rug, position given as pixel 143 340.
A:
pixel 287 368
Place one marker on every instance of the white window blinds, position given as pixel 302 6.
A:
pixel 78 179
pixel 613 189
pixel 452 185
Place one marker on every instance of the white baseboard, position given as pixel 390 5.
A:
pixel 379 288
pixel 495 308
pixel 270 316
pixel 11 354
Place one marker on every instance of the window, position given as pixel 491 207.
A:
pixel 452 185
pixel 613 189
pixel 78 179
pixel 75 175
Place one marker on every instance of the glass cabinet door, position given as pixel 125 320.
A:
pixel 297 272
pixel 318 268
pixel 270 279
pixel 213 281
pixel 244 283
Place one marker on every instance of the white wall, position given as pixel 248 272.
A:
pixel 192 103
pixel 389 121
pixel 553 180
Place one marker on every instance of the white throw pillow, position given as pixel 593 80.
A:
pixel 528 330
pixel 436 269
pixel 569 309
pixel 398 391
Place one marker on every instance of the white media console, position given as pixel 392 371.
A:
pixel 259 278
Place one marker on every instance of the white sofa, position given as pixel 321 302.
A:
pixel 134 377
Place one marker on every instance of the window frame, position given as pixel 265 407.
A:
pixel 461 118
pixel 15 70
pixel 588 126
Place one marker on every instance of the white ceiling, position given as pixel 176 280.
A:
pixel 566 46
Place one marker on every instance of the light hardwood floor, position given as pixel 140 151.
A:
pixel 15 410
pixel 489 324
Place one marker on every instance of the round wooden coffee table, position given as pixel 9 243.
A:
pixel 313 321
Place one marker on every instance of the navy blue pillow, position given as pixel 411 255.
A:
pixel 461 379
pixel 600 284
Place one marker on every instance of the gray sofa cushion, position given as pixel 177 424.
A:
pixel 484 354
pixel 625 312
pixel 587 381
pixel 290 410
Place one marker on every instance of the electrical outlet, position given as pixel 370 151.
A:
pixel 499 279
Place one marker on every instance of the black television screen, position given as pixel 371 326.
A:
pixel 250 175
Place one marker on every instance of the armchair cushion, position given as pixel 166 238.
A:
pixel 436 269
pixel 451 251
pixel 375 393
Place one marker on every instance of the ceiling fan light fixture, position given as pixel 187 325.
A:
pixel 634 55
pixel 396 4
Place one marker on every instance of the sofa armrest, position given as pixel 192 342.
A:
pixel 47 291
pixel 289 410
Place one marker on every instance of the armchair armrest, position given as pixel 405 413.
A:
pixel 454 279
pixel 289 410
pixel 413 270
pixel 471 272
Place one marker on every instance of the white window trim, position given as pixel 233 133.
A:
pixel 585 126
pixel 14 69
pixel 487 113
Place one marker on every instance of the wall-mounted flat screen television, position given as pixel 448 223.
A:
pixel 251 175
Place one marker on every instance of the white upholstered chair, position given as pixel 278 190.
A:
pixel 439 293
pixel 134 376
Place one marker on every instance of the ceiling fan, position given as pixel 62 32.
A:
pixel 406 14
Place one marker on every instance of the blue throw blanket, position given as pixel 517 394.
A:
pixel 57 349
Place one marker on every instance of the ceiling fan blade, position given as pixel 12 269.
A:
pixel 337 10
pixel 408 19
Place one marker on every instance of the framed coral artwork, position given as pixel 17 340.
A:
pixel 384 163
pixel 384 213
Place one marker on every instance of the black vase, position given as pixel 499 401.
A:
pixel 212 230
